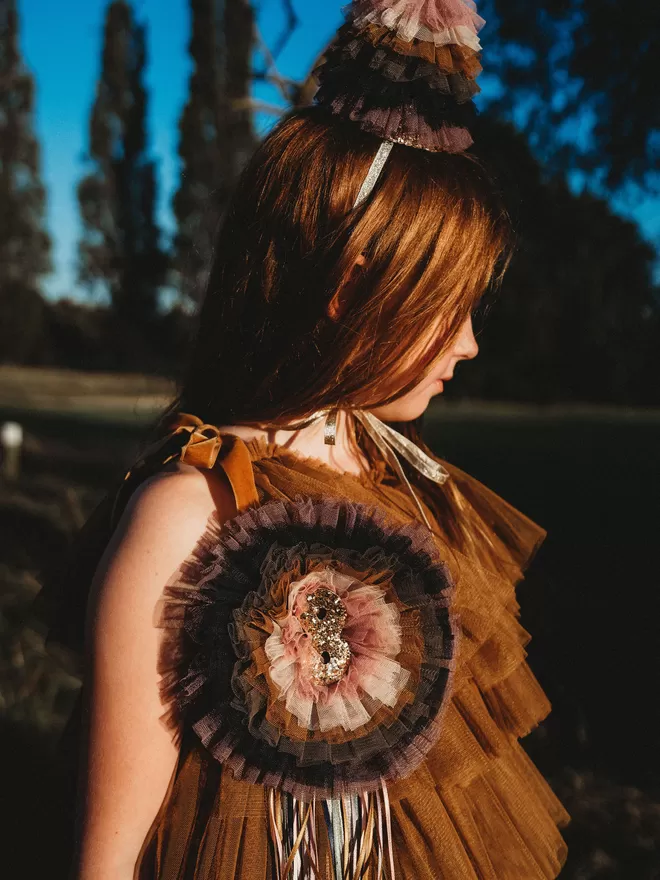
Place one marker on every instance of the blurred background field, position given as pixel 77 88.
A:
pixel 123 126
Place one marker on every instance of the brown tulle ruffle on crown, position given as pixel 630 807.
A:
pixel 405 70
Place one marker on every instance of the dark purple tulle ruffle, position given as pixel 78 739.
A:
pixel 213 662
pixel 397 95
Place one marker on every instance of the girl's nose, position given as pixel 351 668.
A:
pixel 466 345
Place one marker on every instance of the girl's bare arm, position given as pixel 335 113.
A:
pixel 130 755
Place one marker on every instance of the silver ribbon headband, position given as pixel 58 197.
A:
pixel 373 173
pixel 391 442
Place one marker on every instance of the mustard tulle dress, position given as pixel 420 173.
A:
pixel 475 806
pixel 348 688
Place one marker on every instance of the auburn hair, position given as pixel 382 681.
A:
pixel 433 234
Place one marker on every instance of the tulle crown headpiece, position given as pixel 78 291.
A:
pixel 405 70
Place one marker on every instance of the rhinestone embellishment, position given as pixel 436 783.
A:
pixel 323 622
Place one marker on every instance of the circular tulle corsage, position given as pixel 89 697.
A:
pixel 310 646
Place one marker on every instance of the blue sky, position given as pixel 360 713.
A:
pixel 61 43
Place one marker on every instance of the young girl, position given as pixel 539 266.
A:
pixel 304 658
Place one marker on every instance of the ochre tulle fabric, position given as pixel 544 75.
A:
pixel 476 807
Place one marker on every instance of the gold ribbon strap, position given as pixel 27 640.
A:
pixel 205 447
pixel 202 447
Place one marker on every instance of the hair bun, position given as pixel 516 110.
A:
pixel 405 71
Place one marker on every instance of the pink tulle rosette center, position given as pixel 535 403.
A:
pixel 373 676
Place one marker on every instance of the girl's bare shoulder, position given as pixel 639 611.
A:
pixel 163 522
pixel 174 505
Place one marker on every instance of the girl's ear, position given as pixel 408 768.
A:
pixel 339 302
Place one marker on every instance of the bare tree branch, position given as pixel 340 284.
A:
pixel 292 22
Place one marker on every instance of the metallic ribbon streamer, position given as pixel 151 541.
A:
pixel 359 833
pixel 392 444
pixel 337 836
pixel 388 830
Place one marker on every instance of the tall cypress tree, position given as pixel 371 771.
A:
pixel 24 243
pixel 120 252
pixel 216 132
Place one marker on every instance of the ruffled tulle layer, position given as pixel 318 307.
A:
pixel 449 59
pixel 402 125
pixel 458 36
pixel 483 830
pixel 437 21
pixel 410 113
pixel 476 807
pixel 415 59
pixel 367 59
pixel 231 596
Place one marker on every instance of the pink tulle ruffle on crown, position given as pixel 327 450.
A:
pixel 441 22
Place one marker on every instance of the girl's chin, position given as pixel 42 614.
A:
pixel 411 411
pixel 412 408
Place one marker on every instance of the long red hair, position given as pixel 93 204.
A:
pixel 434 235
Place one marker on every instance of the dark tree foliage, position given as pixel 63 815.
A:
pixel 570 65
pixel 24 243
pixel 216 131
pixel 575 319
pixel 120 251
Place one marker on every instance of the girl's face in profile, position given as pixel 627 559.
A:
pixel 415 401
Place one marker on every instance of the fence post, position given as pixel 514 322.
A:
pixel 11 438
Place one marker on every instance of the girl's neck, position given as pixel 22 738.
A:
pixel 343 455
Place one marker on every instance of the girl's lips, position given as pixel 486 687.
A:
pixel 439 383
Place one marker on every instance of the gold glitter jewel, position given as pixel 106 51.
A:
pixel 324 622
